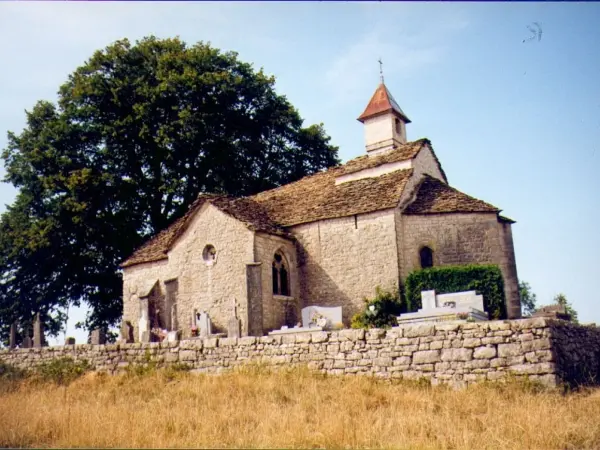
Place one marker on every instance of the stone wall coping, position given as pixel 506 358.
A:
pixel 348 334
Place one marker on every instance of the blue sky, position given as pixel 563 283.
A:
pixel 514 123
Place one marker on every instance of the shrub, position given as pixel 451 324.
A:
pixel 485 279
pixel 63 370
pixel 147 366
pixel 10 376
pixel 379 312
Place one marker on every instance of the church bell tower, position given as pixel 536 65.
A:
pixel 384 122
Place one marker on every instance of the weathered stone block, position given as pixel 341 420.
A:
pixel 484 353
pixel 457 354
pixel 172 357
pixel 446 326
pixel 352 335
pixel 402 361
pixel 436 345
pixel 541 344
pixel 493 340
pixel 472 342
pixel 375 333
pixel 426 356
pixel 319 336
pixel 288 339
pixel 210 342
pixel 382 362
pixel 187 355
pixel 419 330
pixel 505 350
pixel 498 326
pixel 248 340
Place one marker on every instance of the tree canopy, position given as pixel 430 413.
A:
pixel 137 133
pixel 528 298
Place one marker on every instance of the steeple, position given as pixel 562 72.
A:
pixel 384 121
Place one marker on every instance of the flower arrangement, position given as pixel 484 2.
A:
pixel 159 333
pixel 194 330
pixel 318 319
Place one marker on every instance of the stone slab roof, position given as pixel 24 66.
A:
pixel 244 209
pixel 436 197
pixel 399 153
pixel 318 197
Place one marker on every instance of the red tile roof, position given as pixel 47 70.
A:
pixel 382 102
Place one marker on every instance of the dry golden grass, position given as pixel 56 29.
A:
pixel 255 408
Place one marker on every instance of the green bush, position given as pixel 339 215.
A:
pixel 485 279
pixel 10 376
pixel 379 312
pixel 63 370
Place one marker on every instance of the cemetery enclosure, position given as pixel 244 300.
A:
pixel 550 351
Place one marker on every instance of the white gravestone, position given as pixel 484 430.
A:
pixel 204 325
pixel 467 299
pixel 314 318
pixel 428 300
pixel 143 324
pixel 447 307
pixel 325 317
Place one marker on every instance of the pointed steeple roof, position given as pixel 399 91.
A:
pixel 382 102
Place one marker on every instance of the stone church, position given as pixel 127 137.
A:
pixel 328 239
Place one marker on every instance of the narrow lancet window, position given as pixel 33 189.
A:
pixel 426 255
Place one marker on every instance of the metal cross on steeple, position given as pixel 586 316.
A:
pixel 380 69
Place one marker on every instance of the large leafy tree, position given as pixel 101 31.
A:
pixel 528 298
pixel 138 131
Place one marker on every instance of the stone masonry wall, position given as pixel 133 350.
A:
pixel 577 352
pixel 200 286
pixel 446 352
pixel 343 260
pixel 474 238
pixel 265 247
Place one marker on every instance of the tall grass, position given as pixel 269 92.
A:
pixel 296 408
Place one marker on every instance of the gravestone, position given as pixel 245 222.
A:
pixel 143 326
pixel 234 325
pixel 456 306
pixel 204 325
pixel 173 336
pixel 321 316
pixel 12 338
pixel 428 300
pixel 126 332
pixel 70 341
pixel 98 337
pixel 27 342
pixel 467 299
pixel 145 337
pixel 38 332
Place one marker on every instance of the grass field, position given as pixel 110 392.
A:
pixel 296 408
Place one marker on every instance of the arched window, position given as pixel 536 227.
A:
pixel 398 126
pixel 281 283
pixel 426 255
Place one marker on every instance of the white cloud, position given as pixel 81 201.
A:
pixel 408 39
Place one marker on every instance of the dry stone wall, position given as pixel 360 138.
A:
pixel 446 352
